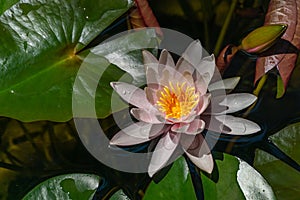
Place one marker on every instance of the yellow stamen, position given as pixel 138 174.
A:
pixel 177 101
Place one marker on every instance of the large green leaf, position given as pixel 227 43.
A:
pixel 69 186
pixel 284 179
pixel 6 4
pixel 176 185
pixel 125 52
pixel 39 53
pixel 237 180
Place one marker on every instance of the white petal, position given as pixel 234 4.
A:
pixel 226 84
pixel 235 102
pixel 163 152
pixel 151 95
pixel 200 84
pixel 193 53
pixel 149 58
pixel 203 103
pixel 237 126
pixel 166 59
pixel 148 116
pixel 183 65
pixel 180 127
pixel 199 154
pixel 192 128
pixel 195 127
pixel 205 162
pixel 131 94
pixel 152 77
pixel 206 68
pixel 134 134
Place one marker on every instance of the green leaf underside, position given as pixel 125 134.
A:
pixel 38 60
pixel 67 187
pixel 176 185
pixel 284 180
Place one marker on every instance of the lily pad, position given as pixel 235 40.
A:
pixel 177 184
pixel 284 179
pixel 70 186
pixel 237 180
pixel 6 4
pixel 41 52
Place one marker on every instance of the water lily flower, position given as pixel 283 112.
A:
pixel 176 106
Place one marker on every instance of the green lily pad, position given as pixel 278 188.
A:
pixel 70 186
pixel 6 4
pixel 40 54
pixel 284 179
pixel 177 184
pixel 237 180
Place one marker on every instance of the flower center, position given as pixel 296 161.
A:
pixel 177 101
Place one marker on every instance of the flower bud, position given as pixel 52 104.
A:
pixel 262 38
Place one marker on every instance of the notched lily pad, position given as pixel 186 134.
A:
pixel 69 186
pixel 40 54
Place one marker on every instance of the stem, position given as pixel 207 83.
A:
pixel 225 27
pixel 207 13
pixel 256 92
pixel 196 179
pixel 271 148
pixel 10 167
pixel 260 85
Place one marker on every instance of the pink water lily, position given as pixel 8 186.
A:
pixel 175 107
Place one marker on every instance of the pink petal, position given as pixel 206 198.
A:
pixel 225 84
pixel 206 68
pixel 201 85
pixel 148 116
pixel 149 58
pixel 163 152
pixel 199 153
pixel 166 60
pixel 232 125
pixel 180 127
pixel 151 68
pixel 234 102
pixel 152 77
pixel 136 133
pixel 193 53
pixel 189 78
pixel 238 126
pixel 165 77
pixel 151 95
pixel 131 94
pixel 195 127
pixel 183 65
pixel 205 162
pixel 203 103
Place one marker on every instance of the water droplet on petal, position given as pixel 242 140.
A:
pixel 124 92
